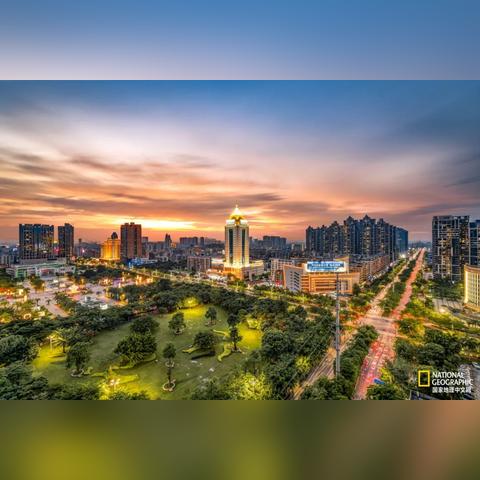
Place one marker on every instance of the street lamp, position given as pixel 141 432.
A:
pixel 113 383
pixel 337 325
pixel 340 267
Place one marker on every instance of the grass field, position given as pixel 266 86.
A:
pixel 50 362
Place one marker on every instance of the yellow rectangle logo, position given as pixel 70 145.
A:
pixel 423 379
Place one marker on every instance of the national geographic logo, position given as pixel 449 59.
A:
pixel 423 378
pixel 445 381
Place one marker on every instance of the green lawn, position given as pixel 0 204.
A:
pixel 151 376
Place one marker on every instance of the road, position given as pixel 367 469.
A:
pixel 383 348
pixel 409 286
pixel 326 367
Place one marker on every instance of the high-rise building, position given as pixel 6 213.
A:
pixel 236 241
pixel 199 263
pixel 368 240
pixel 211 241
pixel 110 250
pixel 450 246
pixel 474 246
pixel 36 242
pixel 351 241
pixel 144 246
pixel 386 239
pixel 66 242
pixel 366 237
pixel 315 240
pixel 187 242
pixel 334 239
pixel 401 239
pixel 237 250
pixel 310 239
pixel 130 241
pixel 272 242
pixel 472 286
pixel 382 237
pixel 168 241
pixel 153 248
pixel 394 253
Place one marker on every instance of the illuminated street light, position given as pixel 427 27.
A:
pixel 114 382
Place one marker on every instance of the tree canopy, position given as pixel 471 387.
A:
pixel 136 347
pixel 78 356
pixel 16 347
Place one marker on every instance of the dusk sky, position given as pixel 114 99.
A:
pixel 177 156
pixel 248 39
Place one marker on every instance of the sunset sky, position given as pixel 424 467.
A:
pixel 177 156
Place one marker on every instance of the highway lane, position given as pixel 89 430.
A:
pixel 383 348
pixel 326 367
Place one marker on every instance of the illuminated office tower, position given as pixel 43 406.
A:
pixel 236 241
pixel 111 248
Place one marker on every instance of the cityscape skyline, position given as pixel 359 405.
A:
pixel 60 239
pixel 174 156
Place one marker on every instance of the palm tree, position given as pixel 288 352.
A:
pixel 63 337
pixel 169 354
pixel 253 362
pixel 211 315
pixel 78 356
pixel 235 337
pixel 233 320
pixel 177 323
pixel 58 338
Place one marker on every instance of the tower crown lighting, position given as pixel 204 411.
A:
pixel 236 215
pixel 237 218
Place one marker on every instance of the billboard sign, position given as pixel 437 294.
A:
pixel 326 267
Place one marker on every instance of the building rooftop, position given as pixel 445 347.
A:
pixel 236 217
pixel 236 213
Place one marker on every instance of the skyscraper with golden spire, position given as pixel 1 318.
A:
pixel 237 253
